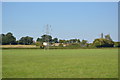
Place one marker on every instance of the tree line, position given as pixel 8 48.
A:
pixel 10 39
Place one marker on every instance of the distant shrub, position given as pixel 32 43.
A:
pixel 60 45
pixel 116 44
pixel 38 44
pixel 74 45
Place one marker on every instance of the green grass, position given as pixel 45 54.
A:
pixel 64 63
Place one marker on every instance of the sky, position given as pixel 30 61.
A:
pixel 68 20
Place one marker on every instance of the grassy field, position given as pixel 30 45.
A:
pixel 66 63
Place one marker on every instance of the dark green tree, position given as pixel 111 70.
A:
pixel 74 41
pixel 1 38
pixel 39 40
pixel 62 41
pixel 10 38
pixel 26 40
pixel 78 40
pixel 46 38
pixel 7 39
pixel 55 40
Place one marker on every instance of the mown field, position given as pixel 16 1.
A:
pixel 17 46
pixel 64 63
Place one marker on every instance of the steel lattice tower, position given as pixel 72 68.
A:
pixel 47 33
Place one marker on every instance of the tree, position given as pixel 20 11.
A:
pixel 26 40
pixel 78 40
pixel 38 44
pixel 62 41
pixel 7 38
pixel 103 43
pixel 108 37
pixel 4 40
pixel 10 38
pixel 1 36
pixel 74 41
pixel 116 44
pixel 29 40
pixel 39 40
pixel 55 40
pixel 46 38
pixel 22 40
pixel 84 43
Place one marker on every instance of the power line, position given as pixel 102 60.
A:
pixel 47 34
